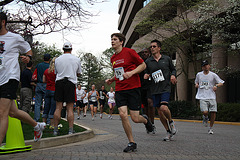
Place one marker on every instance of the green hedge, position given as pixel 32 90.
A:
pixel 184 110
pixel 228 112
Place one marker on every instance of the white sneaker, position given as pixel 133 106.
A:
pixel 101 116
pixel 168 137
pixel 111 117
pixel 92 118
pixel 210 131
pixel 173 128
pixel 38 133
pixel 78 117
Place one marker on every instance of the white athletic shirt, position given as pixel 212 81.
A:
pixel 85 99
pixel 67 65
pixel 111 97
pixel 206 84
pixel 80 93
pixel 11 45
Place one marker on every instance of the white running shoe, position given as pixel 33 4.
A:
pixel 38 133
pixel 92 118
pixel 78 117
pixel 111 117
pixel 101 116
pixel 168 137
pixel 173 128
pixel 210 131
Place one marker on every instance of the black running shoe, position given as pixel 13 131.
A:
pixel 148 125
pixel 131 147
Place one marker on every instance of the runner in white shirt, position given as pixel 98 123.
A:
pixel 80 95
pixel 111 102
pixel 207 83
pixel 67 68
pixel 11 45
pixel 85 102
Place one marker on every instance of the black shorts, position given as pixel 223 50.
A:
pixel 130 98
pixel 64 91
pixel 102 102
pixel 80 104
pixel 9 89
pixel 95 104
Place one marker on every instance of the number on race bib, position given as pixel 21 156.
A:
pixel 158 76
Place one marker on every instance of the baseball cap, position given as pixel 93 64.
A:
pixel 67 45
pixel 205 62
pixel 46 57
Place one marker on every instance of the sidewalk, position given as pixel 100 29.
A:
pixel 191 143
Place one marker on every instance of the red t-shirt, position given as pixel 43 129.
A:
pixel 50 78
pixel 129 60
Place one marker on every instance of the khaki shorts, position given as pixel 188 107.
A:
pixel 208 105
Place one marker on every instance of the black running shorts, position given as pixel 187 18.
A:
pixel 130 98
pixel 9 89
pixel 64 91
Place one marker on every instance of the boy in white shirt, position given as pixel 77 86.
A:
pixel 207 83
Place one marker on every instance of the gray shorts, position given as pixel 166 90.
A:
pixel 208 105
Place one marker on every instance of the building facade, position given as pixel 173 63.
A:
pixel 184 33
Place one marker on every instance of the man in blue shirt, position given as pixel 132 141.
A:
pixel 41 87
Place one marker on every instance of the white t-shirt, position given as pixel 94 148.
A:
pixel 206 84
pixel 111 96
pixel 11 45
pixel 80 93
pixel 67 65
pixel 85 99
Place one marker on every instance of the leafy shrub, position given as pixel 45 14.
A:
pixel 184 109
pixel 229 112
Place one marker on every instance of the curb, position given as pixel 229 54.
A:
pixel 62 140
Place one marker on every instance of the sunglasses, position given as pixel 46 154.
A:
pixel 153 46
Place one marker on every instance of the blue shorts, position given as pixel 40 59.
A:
pixel 158 98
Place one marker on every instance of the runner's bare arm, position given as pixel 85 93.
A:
pixel 26 59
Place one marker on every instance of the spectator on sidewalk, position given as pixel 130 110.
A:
pixel 49 78
pixel 40 86
pixel 67 68
pixel 26 88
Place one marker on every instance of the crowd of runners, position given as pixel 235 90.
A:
pixel 142 80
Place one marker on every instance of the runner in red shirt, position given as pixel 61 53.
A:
pixel 127 64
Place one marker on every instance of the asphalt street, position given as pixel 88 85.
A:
pixel 192 142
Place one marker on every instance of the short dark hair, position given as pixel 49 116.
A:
pixel 3 16
pixel 120 36
pixel 29 64
pixel 157 41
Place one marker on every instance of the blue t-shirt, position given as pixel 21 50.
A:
pixel 41 67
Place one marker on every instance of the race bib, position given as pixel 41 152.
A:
pixel 119 73
pixel 1 62
pixel 204 84
pixel 158 76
